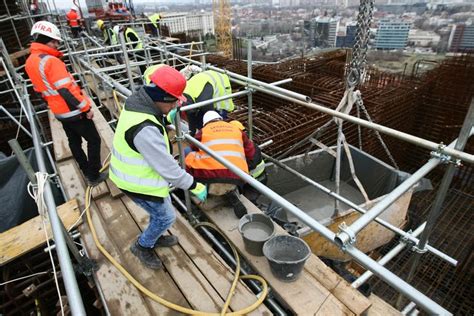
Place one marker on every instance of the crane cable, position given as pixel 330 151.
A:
pixel 162 301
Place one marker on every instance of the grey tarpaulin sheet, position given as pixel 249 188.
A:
pixel 16 206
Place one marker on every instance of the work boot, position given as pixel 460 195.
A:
pixel 166 241
pixel 147 256
pixel 234 201
pixel 94 182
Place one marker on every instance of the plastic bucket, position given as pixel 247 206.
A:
pixel 256 229
pixel 287 256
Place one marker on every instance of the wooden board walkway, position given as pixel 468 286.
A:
pixel 23 238
pixel 194 275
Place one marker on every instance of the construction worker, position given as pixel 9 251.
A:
pixel 205 86
pixel 65 98
pixel 256 166
pixel 131 38
pixel 106 31
pixel 232 144
pixel 73 19
pixel 154 18
pixel 141 164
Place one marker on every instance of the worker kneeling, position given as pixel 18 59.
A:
pixel 230 143
pixel 141 164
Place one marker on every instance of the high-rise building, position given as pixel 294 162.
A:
pixel 461 38
pixel 392 34
pixel 348 39
pixel 323 31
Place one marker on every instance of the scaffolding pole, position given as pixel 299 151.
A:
pixel 433 216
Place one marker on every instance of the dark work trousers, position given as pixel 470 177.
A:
pixel 75 30
pixel 76 131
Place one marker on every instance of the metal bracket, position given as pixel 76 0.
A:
pixel 416 249
pixel 345 237
pixel 445 158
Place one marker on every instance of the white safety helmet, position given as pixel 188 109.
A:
pixel 210 116
pixel 116 29
pixel 46 28
pixel 74 8
pixel 190 70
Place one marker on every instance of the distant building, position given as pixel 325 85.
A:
pixel 392 34
pixel 348 39
pixel 461 38
pixel 323 31
pixel 189 22
pixel 419 38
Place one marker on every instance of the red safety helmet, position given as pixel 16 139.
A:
pixel 170 81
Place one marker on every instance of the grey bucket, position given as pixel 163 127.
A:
pixel 256 229
pixel 287 256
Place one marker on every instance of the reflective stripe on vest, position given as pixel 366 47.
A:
pixel 128 168
pixel 50 91
pixel 61 82
pixel 139 44
pixel 258 170
pixel 221 85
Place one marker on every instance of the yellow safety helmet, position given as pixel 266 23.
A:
pixel 100 23
pixel 149 71
pixel 238 125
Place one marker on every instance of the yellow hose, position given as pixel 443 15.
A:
pixel 117 102
pixel 171 305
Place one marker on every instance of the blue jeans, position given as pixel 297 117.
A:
pixel 162 216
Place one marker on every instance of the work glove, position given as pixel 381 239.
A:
pixel 200 191
pixel 171 115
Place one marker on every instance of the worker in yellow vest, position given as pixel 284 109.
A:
pixel 106 31
pixel 141 163
pixel 154 19
pixel 205 86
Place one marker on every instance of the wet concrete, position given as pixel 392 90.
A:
pixel 318 204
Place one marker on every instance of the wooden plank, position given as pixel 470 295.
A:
pixel 304 296
pixel 121 297
pixel 114 191
pixel 340 288
pixel 61 145
pixel 30 235
pixel 380 307
pixel 206 260
pixel 123 231
pixel 333 304
pixel 197 290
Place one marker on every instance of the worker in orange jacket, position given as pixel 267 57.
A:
pixel 230 143
pixel 65 99
pixel 73 19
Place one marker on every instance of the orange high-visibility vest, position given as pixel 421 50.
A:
pixel 225 139
pixel 73 18
pixel 49 75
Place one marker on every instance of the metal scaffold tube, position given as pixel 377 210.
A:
pixel 67 271
pixel 386 275
pixel 305 101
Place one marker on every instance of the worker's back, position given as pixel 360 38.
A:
pixel 226 140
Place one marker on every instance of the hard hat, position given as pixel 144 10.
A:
pixel 238 125
pixel 149 71
pixel 74 8
pixel 190 71
pixel 116 29
pixel 46 28
pixel 169 80
pixel 100 23
pixel 210 116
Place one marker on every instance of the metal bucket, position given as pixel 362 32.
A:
pixel 287 256
pixel 256 229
